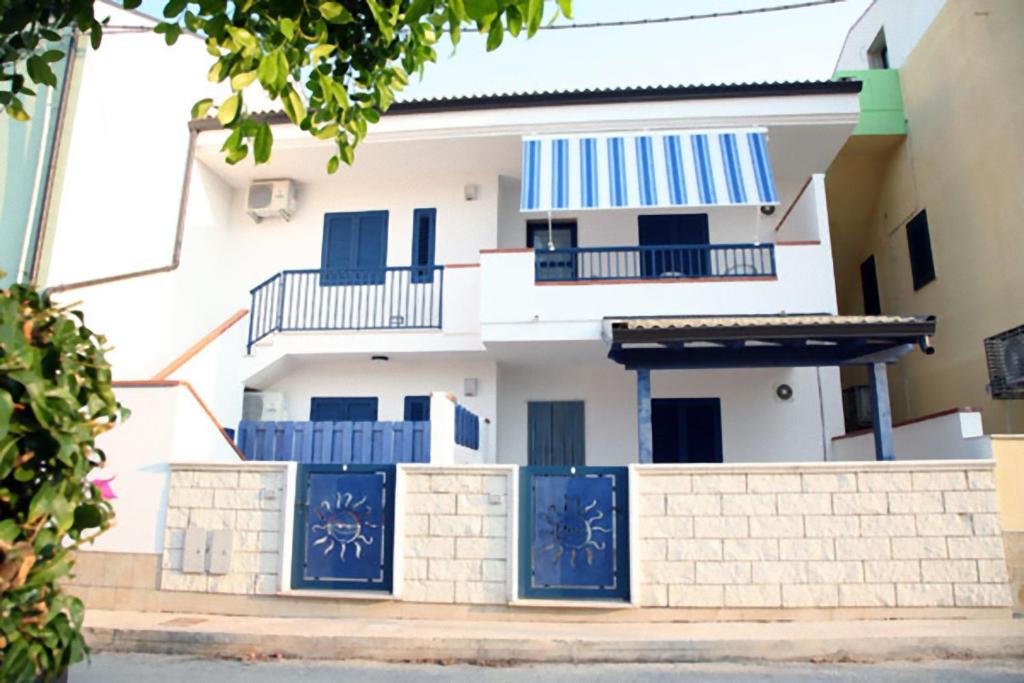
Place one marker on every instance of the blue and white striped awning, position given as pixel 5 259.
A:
pixel 647 170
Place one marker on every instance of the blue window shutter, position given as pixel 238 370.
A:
pixel 417 408
pixel 354 241
pixel 424 222
pixel 555 433
pixel 343 409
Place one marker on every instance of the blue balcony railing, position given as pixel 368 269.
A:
pixel 335 442
pixel 371 299
pixel 579 264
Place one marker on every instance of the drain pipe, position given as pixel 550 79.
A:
pixel 193 135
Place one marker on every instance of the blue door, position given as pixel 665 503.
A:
pixel 686 430
pixel 555 433
pixel 355 248
pixel 344 527
pixel 574 533
pixel 557 267
pixel 417 409
pixel 343 409
pixel 664 232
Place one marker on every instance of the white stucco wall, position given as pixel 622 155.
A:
pixel 904 21
pixel 950 436
pixel 756 427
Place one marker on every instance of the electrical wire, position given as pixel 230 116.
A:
pixel 603 24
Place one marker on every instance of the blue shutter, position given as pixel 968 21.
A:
pixel 423 236
pixel 417 408
pixel 355 247
pixel 555 433
pixel 343 409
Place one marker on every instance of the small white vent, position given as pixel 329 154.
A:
pixel 270 199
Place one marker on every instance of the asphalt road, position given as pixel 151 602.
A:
pixel 111 668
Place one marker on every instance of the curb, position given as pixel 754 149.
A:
pixel 866 648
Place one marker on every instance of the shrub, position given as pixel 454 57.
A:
pixel 55 398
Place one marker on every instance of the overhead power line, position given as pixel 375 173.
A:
pixel 606 24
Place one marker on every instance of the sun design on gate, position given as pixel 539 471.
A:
pixel 572 530
pixel 343 524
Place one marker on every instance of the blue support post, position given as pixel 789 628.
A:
pixel 643 414
pixel 881 413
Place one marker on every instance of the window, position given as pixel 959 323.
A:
pixel 555 433
pixel 423 222
pixel 922 267
pixel 355 248
pixel 869 287
pixel 561 235
pixel 343 409
pixel 878 52
pixel 417 409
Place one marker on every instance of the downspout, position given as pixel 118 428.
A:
pixel 193 135
pixel 51 173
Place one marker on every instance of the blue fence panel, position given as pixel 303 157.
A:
pixel 368 299
pixel 655 262
pixel 574 532
pixel 467 428
pixel 335 442
pixel 344 527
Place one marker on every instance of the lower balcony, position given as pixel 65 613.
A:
pixel 403 298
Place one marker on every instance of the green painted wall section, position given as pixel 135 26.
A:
pixel 881 102
pixel 26 149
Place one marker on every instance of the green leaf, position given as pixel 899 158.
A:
pixel 287 28
pixel 335 13
pixel 332 165
pixel 131 4
pixel 321 51
pixel 534 16
pixel 386 29
pixel 87 516
pixel 52 56
pixel 515 21
pixel 200 108
pixel 243 80
pixel 6 410
pixel 495 35
pixel 174 7
pixel 566 7
pixel 261 145
pixel 416 10
pixel 229 109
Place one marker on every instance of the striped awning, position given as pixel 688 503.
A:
pixel 647 170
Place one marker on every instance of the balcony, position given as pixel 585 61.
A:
pixel 678 262
pixel 405 298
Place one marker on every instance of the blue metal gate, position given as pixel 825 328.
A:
pixel 344 527
pixel 574 533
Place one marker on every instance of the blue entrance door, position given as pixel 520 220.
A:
pixel 686 430
pixel 662 233
pixel 343 409
pixel 555 433
pixel 355 248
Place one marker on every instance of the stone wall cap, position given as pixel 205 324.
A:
pixel 816 467
pixel 246 466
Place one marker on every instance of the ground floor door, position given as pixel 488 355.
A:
pixel 555 433
pixel 686 430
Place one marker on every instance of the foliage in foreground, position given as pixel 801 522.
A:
pixel 333 65
pixel 55 398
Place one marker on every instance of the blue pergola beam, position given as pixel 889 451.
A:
pixel 756 356
pixel 881 412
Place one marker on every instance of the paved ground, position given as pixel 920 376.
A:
pixel 111 668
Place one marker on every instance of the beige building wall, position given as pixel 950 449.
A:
pixel 963 162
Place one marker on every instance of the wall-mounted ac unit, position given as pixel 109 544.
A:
pixel 1004 353
pixel 857 407
pixel 264 406
pixel 270 199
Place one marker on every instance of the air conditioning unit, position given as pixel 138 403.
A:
pixel 264 406
pixel 857 407
pixel 1004 353
pixel 270 199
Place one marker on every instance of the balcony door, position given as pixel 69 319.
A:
pixel 686 430
pixel 556 266
pixel 343 409
pixel 662 232
pixel 355 248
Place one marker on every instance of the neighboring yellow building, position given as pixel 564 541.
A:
pixel 953 149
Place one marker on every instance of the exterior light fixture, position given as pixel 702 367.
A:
pixel 767 210
pixel 470 192
pixel 784 392
pixel 382 359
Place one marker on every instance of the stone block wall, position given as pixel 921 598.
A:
pixel 456 534
pixel 855 535
pixel 248 500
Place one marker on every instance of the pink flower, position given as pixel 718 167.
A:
pixel 104 486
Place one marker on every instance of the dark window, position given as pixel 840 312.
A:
pixel 562 235
pixel 423 227
pixel 355 248
pixel 417 408
pixel 878 52
pixel 869 287
pixel 922 266
pixel 343 409
pixel 555 433
pixel 668 238
pixel 686 430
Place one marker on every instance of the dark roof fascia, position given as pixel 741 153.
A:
pixel 912 331
pixel 578 97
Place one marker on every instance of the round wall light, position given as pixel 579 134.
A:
pixel 784 392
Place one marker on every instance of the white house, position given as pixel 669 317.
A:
pixel 432 267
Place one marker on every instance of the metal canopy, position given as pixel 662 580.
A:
pixel 685 343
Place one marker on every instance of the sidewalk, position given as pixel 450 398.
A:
pixel 501 641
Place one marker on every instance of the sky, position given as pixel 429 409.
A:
pixel 799 44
